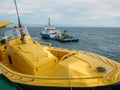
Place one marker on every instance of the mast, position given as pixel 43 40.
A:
pixel 19 22
pixel 20 27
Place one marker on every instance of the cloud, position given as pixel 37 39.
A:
pixel 77 12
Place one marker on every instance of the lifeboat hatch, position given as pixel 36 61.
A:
pixel 10 59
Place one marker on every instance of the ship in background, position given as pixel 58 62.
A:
pixel 50 32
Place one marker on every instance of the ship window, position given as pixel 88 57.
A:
pixel 10 60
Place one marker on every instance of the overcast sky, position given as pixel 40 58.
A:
pixel 96 13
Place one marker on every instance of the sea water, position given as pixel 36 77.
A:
pixel 100 40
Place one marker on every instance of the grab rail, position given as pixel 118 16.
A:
pixel 67 55
pixel 19 76
pixel 46 43
pixel 71 53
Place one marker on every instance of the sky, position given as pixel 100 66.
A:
pixel 82 13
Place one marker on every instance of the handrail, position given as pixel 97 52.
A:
pixel 39 77
pixel 25 80
pixel 71 53
pixel 47 43
pixel 20 78
pixel 84 61
pixel 67 55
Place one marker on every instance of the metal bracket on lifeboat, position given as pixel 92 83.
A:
pixel 21 29
pixel 101 69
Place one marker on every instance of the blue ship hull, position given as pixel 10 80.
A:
pixel 46 36
pixel 68 39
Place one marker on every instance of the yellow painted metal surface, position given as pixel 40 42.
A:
pixel 4 24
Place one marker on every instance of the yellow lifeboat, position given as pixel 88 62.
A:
pixel 31 64
pixel 4 24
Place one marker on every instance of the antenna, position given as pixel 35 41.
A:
pixel 19 22
pixel 48 21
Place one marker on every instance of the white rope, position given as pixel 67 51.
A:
pixel 0 72
pixel 69 73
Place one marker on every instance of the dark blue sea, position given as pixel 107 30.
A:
pixel 100 40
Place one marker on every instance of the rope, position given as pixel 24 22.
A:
pixel 69 78
pixel 0 72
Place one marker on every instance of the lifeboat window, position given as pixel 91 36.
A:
pixel 15 33
pixel 3 41
pixel 4 47
pixel 10 60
